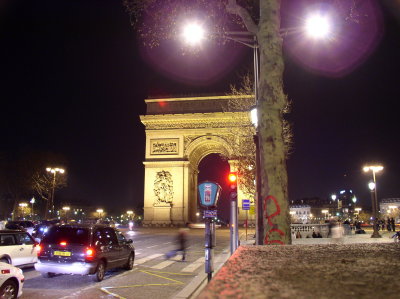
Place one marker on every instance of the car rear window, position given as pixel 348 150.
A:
pixel 71 235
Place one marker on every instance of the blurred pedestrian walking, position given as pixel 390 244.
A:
pixel 181 241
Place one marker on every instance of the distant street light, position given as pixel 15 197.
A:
pixel 100 211
pixel 50 202
pixel 130 213
pixel 66 210
pixel 23 205
pixel 325 212
pixel 32 201
pixel 333 196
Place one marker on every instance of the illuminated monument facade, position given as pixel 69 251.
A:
pixel 180 132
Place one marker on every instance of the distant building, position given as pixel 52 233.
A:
pixel 300 213
pixel 340 205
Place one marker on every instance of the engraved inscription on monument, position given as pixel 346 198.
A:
pixel 167 146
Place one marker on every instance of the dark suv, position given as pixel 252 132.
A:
pixel 83 249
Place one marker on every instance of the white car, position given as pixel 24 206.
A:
pixel 17 248
pixel 11 281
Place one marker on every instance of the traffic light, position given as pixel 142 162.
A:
pixel 232 180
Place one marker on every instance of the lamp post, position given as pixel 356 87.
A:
pixel 374 195
pixel 32 201
pixel 100 212
pixel 23 205
pixel 372 187
pixel 50 202
pixel 130 213
pixel 325 212
pixel 317 26
pixel 66 209
pixel 374 169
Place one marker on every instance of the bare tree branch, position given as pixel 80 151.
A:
pixel 234 8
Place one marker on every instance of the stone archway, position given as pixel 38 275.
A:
pixel 180 132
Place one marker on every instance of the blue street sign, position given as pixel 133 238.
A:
pixel 210 213
pixel 245 204
pixel 209 194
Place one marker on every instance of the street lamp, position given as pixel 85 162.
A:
pixel 260 218
pixel 325 212
pixel 318 26
pixel 50 203
pixel 100 211
pixel 130 213
pixel 32 201
pixel 66 209
pixel 374 195
pixel 193 33
pixel 23 205
pixel 372 187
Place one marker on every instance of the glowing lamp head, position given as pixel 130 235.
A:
pixel 193 33
pixel 371 186
pixel 318 26
pixel 232 177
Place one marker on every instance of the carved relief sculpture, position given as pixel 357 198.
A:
pixel 163 189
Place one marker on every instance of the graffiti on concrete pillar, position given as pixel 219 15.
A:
pixel 163 188
pixel 274 228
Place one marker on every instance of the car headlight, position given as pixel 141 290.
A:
pixel 20 271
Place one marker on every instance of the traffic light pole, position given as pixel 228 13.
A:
pixel 234 226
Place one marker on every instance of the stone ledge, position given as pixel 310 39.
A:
pixel 309 271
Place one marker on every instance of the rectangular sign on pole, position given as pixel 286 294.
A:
pixel 210 213
pixel 252 210
pixel 245 204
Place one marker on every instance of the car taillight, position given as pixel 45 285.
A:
pixel 38 249
pixel 7 271
pixel 63 243
pixel 89 253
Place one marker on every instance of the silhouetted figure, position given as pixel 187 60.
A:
pixel 298 235
pixel 389 227
pixel 314 235
pixel 393 224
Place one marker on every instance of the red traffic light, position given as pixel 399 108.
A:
pixel 232 177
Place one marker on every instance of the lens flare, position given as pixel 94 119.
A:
pixel 318 26
pixel 193 33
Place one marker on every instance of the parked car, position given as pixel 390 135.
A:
pixel 11 281
pixel 25 225
pixel 83 249
pixel 17 248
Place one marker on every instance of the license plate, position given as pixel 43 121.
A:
pixel 62 253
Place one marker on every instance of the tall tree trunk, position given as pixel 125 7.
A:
pixel 271 102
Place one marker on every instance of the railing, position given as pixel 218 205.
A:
pixel 306 230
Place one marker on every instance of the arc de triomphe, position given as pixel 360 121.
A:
pixel 180 132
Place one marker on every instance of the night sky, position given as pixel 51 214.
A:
pixel 74 77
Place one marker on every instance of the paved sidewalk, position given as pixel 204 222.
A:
pixel 354 266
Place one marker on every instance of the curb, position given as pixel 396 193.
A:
pixel 200 281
